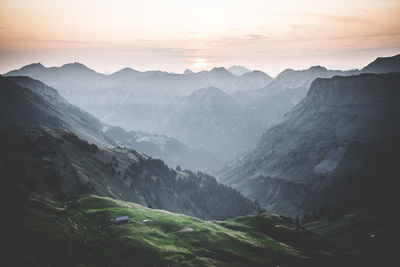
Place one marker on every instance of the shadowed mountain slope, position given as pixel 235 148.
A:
pixel 337 145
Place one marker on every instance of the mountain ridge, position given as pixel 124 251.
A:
pixel 320 143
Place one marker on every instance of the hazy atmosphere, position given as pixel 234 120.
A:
pixel 175 35
pixel 199 133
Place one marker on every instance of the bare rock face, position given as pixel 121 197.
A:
pixel 333 147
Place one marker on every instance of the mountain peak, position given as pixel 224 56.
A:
pixel 220 70
pixel 258 73
pixel 238 70
pixel 26 70
pixel 74 65
pixel 188 71
pixel 33 66
pixel 317 68
pixel 286 71
pixel 126 70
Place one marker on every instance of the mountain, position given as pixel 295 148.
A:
pixel 91 129
pixel 336 145
pixel 47 172
pixel 170 150
pixel 188 71
pixel 58 163
pixel 273 101
pixel 383 65
pixel 125 74
pixel 298 80
pixel 42 105
pixel 293 79
pixel 281 94
pixel 213 120
pixel 238 70
pixel 132 99
pixel 231 127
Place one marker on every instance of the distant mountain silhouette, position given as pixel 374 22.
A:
pixel 132 99
pixel 211 119
pixel 238 70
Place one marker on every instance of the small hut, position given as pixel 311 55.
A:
pixel 122 219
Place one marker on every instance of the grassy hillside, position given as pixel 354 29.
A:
pixel 44 232
pixel 58 162
pixel 369 237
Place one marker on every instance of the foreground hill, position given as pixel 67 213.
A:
pixel 45 232
pixel 371 233
pixel 339 144
pixel 57 162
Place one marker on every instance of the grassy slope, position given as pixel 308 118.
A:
pixel 368 237
pixel 82 233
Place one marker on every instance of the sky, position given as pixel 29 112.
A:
pixel 108 35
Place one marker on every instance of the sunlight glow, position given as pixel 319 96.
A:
pixel 177 34
pixel 200 63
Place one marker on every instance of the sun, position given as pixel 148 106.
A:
pixel 200 63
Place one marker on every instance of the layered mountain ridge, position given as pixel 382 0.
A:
pixel 212 119
pixel 317 154
pixel 132 99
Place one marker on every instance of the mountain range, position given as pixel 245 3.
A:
pixel 327 165
pixel 58 145
pixel 132 99
pixel 211 119
pixel 48 108
pixel 158 103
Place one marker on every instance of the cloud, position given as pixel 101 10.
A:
pixel 255 36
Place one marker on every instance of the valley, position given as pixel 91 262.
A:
pixel 227 167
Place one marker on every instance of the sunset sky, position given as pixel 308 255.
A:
pixel 107 35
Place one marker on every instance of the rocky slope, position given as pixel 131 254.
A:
pixel 42 105
pixel 383 65
pixel 338 144
pixel 273 101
